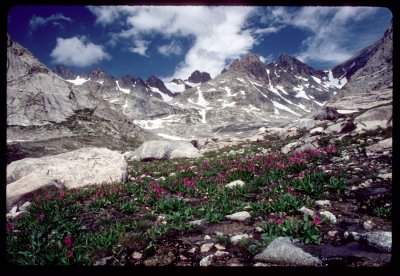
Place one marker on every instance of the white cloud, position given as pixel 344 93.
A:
pixel 140 47
pixel 170 49
pixel 266 31
pixel 331 36
pixel 216 31
pixel 77 51
pixel 37 21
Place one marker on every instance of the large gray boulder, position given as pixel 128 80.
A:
pixel 327 113
pixel 27 185
pixel 282 251
pixel 165 150
pixel 375 118
pixel 75 169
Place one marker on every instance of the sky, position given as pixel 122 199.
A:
pixel 173 41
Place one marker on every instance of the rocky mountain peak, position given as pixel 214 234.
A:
pixel 250 64
pixel 294 66
pixel 99 73
pixel 155 82
pixel 199 77
pixel 64 72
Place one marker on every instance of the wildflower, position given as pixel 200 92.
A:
pixel 61 195
pixel 316 220
pixel 115 188
pixel 331 149
pixel 40 217
pixel 9 226
pixel 278 221
pixel 100 193
pixel 46 196
pixel 301 174
pixel 180 194
pixel 69 255
pixel 68 241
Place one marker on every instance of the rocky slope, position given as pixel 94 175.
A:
pixel 47 115
pixel 372 84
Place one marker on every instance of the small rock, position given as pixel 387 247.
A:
pixel 206 247
pixel 199 222
pixel 261 264
pixel 136 255
pixel 385 176
pixel 259 229
pixel 206 261
pixel 282 251
pixel 220 253
pixel 183 258
pixel 207 237
pixel 192 250
pixel 307 211
pixel 236 239
pixel 103 261
pixel 323 203
pixel 219 247
pixel 381 240
pixel 332 233
pixel 235 183
pixel 317 131
pixel 24 207
pixel 331 217
pixel 239 216
pixel 368 225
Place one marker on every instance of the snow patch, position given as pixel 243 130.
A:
pixel 283 107
pixel 333 82
pixel 173 87
pixel 164 96
pixel 301 78
pixel 100 81
pixel 127 91
pixel 170 137
pixel 78 80
pixel 226 104
pixel 301 93
pixel 346 111
pixel 241 80
pixel 125 106
pixel 317 80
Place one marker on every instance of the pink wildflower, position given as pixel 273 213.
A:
pixel 68 241
pixel 69 255
pixel 180 194
pixel 40 217
pixel 330 149
pixel 316 220
pixel 301 174
pixel 9 226
pixel 278 221
pixel 116 188
pixel 61 195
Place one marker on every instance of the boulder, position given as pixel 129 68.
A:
pixel 164 150
pixel 374 118
pixel 235 183
pixel 379 147
pixel 327 113
pixel 239 216
pixel 317 131
pixel 305 124
pixel 27 185
pixel 381 240
pixel 75 169
pixel 342 127
pixel 283 252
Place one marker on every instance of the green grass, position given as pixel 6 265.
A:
pixel 105 220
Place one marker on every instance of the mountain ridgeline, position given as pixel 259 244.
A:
pixel 53 111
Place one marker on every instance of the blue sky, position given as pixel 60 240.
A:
pixel 173 41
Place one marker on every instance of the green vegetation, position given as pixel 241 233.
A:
pixel 84 225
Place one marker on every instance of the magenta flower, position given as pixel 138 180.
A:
pixel 301 174
pixel 316 220
pixel 278 221
pixel 61 195
pixel 68 241
pixel 69 255
pixel 116 188
pixel 331 149
pixel 9 226
pixel 40 217
pixel 180 194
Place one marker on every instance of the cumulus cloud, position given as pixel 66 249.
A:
pixel 37 21
pixel 266 59
pixel 140 47
pixel 170 49
pixel 217 33
pixel 331 38
pixel 77 51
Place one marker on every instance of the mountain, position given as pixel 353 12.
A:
pixel 48 115
pixel 372 84
pixel 199 77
